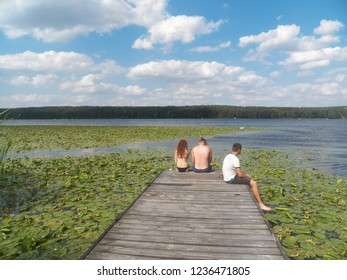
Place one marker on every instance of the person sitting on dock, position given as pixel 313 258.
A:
pixel 181 156
pixel 202 157
pixel 232 174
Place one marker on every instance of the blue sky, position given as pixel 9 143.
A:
pixel 173 52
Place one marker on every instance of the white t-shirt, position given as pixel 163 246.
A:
pixel 230 163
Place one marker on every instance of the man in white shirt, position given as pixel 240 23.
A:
pixel 232 174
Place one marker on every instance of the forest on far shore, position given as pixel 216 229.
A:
pixel 173 112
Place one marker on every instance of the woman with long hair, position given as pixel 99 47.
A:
pixel 181 156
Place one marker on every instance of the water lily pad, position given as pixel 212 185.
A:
pixel 290 242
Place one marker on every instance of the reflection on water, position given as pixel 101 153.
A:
pixel 324 139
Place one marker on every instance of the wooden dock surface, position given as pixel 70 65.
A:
pixel 190 216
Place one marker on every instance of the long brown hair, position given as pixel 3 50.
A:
pixel 182 147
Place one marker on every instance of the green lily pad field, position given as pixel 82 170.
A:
pixel 32 138
pixel 55 208
pixel 310 214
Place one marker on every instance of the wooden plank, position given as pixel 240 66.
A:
pixel 168 251
pixel 187 224
pixel 190 216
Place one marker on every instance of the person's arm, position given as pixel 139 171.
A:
pixel 240 173
pixel 193 156
pixel 176 157
pixel 210 156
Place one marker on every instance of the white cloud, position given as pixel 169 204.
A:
pixel 328 27
pixel 315 58
pixel 132 90
pixel 221 46
pixel 281 38
pixel 32 98
pixel 93 83
pixel 52 61
pixel 303 52
pixel 308 94
pixel 43 80
pixel 53 21
pixel 63 71
pixel 340 78
pixel 287 38
pixel 186 82
pixel 180 70
pixel 46 61
pixel 37 81
pixel 57 21
pixel 86 84
pixel 176 28
pixel 190 81
pixel 275 74
pixel 308 43
pixel 20 81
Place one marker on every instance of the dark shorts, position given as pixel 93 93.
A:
pixel 208 169
pixel 182 169
pixel 239 180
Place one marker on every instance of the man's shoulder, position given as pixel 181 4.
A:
pixel 232 156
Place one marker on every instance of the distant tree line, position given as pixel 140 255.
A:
pixel 165 112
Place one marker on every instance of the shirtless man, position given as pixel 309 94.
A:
pixel 202 157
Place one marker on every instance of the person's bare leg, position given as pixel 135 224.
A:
pixel 255 190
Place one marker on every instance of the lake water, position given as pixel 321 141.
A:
pixel 323 141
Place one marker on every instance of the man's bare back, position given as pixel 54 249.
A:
pixel 202 155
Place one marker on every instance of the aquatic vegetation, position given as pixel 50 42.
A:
pixel 31 138
pixel 310 217
pixel 56 208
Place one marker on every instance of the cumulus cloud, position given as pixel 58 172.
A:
pixel 280 38
pixel 303 52
pixel 201 73
pixel 93 83
pixel 176 28
pixel 46 61
pixel 328 27
pixel 56 21
pixel 199 82
pixel 52 21
pixel 52 61
pixel 194 82
pixel 32 98
pixel 315 58
pixel 179 70
pixel 37 81
pixel 72 71
pixel 287 38
pixel 313 90
pixel 20 81
pixel 221 46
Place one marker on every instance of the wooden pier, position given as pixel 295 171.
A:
pixel 190 216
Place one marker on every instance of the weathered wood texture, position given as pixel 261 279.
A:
pixel 190 216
